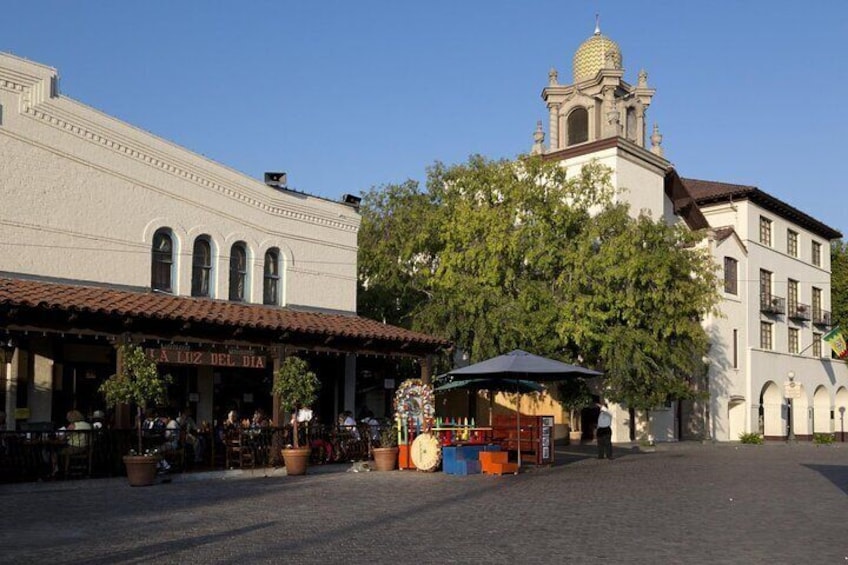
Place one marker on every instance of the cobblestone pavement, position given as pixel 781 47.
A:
pixel 683 504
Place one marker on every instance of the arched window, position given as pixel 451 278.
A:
pixel 201 267
pixel 632 125
pixel 238 271
pixel 271 278
pixel 161 271
pixel 578 126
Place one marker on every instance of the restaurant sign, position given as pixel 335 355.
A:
pixel 233 358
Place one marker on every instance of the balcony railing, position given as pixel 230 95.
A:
pixel 771 304
pixel 799 311
pixel 821 317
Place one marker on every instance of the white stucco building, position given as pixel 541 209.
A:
pixel 110 234
pixel 775 258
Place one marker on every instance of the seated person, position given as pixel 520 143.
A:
pixel 348 424
pixel 77 442
pixel 260 420
pixel 194 436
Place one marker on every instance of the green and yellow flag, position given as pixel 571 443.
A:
pixel 836 340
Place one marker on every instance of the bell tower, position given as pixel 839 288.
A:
pixel 598 104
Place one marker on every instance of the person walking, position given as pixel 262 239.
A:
pixel 604 432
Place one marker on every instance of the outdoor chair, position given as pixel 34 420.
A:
pixel 239 452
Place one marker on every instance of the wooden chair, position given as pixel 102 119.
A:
pixel 239 452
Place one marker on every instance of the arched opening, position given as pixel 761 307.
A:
pixel 162 261
pixel 735 418
pixel 772 414
pixel 271 277
pixel 577 129
pixel 201 267
pixel 821 411
pixel 238 271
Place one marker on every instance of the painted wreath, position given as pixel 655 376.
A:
pixel 414 401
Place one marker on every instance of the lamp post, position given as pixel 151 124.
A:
pixel 842 424
pixel 791 375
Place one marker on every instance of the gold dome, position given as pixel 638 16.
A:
pixel 590 57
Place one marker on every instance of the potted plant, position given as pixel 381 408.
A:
pixel 137 382
pixel 386 455
pixel 297 388
pixel 574 394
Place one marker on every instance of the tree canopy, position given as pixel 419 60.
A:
pixel 839 283
pixel 498 255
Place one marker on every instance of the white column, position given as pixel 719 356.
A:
pixel 553 126
pixel 11 390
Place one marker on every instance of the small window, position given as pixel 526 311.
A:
pixel 765 287
pixel 765 231
pixel 817 304
pixel 161 272
pixel 792 243
pixel 238 271
pixel 765 335
pixel 201 267
pixel 730 275
pixel 817 344
pixel 578 126
pixel 793 340
pixel 271 279
pixel 817 254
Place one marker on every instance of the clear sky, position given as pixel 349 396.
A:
pixel 345 95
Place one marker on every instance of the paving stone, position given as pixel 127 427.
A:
pixel 686 503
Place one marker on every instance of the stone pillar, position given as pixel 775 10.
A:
pixel 553 126
pixel 205 392
pixel 10 365
pixel 350 383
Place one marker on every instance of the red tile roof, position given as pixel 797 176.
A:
pixel 125 303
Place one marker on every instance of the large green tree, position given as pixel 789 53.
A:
pixel 495 255
pixel 839 283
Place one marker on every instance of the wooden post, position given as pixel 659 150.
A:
pixel 426 364
pixel 277 417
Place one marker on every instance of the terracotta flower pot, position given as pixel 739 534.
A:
pixel 141 470
pixel 385 458
pixel 296 460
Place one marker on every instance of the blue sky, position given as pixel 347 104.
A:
pixel 347 95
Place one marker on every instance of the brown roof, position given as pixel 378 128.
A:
pixel 72 298
pixel 708 192
pixel 723 232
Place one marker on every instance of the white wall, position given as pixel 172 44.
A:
pixel 83 194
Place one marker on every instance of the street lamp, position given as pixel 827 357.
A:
pixel 842 424
pixel 791 375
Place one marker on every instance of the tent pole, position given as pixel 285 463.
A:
pixel 518 422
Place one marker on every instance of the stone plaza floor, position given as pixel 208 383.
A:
pixel 685 503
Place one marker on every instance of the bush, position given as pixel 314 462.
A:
pixel 389 436
pixel 751 438
pixel 824 439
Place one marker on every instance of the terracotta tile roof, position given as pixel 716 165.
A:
pixel 109 301
pixel 707 192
